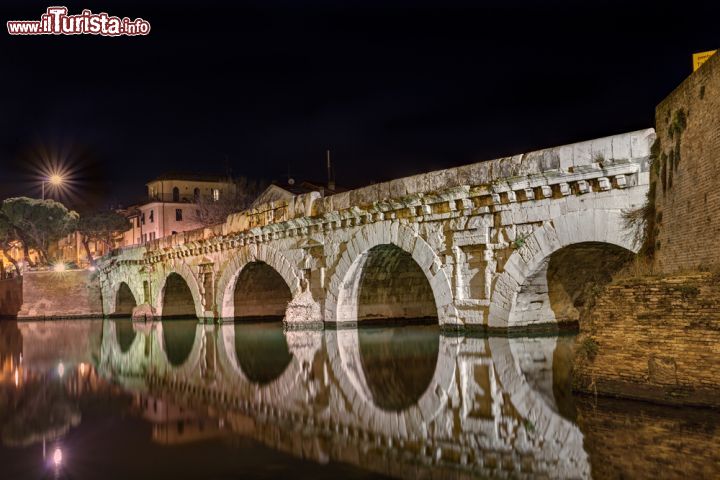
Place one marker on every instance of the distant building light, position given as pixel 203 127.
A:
pixel 216 194
pixel 59 267
pixel 61 369
pixel 57 457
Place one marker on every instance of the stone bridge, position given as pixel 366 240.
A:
pixel 512 242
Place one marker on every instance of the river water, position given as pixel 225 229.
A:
pixel 91 399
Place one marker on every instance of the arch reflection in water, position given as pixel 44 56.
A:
pixel 486 409
pixel 399 363
pixel 125 333
pixel 178 339
pixel 261 349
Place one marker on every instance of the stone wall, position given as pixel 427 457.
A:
pixel 653 338
pixel 70 294
pixel 686 173
pixel 11 297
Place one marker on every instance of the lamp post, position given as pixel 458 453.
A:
pixel 55 180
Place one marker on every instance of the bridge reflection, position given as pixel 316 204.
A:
pixel 398 401
pixel 261 349
pixel 453 407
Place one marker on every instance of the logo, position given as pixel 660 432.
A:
pixel 56 21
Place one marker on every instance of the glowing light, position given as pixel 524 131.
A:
pixel 91 268
pixel 56 179
pixel 83 368
pixel 59 267
pixel 61 369
pixel 56 168
pixel 57 457
pixel 17 377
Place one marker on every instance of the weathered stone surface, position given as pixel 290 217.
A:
pixel 653 338
pixel 68 294
pixel 686 174
pixel 461 245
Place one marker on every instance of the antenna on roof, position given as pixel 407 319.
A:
pixel 330 176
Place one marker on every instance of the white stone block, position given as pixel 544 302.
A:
pixel 604 183
pixel 621 181
pixel 601 149
pixel 621 147
pixel 512 197
pixel 566 157
pixel 495 198
pixel 565 189
pixel 546 191
pixel 582 154
pixel 530 194
pixel 583 186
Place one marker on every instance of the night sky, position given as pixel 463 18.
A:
pixel 262 88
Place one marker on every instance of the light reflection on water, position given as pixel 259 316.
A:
pixel 180 399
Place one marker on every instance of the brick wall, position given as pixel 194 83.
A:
pixel 74 293
pixel 653 338
pixel 687 172
pixel 10 296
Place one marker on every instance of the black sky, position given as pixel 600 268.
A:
pixel 392 88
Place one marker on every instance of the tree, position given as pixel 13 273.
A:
pixel 8 237
pixel 237 198
pixel 101 227
pixel 37 223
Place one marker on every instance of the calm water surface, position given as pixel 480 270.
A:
pixel 174 399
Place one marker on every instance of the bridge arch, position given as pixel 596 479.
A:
pixel 127 276
pixel 175 292
pixel 520 294
pixel 125 300
pixel 267 264
pixel 373 245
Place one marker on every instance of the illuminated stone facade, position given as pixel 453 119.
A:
pixel 471 246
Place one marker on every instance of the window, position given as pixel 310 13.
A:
pixel 216 194
pixel 178 214
pixel 142 219
pixel 176 194
pixel 152 216
pixel 196 194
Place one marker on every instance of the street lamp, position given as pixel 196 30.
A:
pixel 55 180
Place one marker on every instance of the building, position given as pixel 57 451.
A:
pixel 286 190
pixel 173 206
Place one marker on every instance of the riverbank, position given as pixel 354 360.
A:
pixel 653 338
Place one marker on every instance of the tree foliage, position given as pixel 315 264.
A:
pixel 37 223
pixel 101 227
